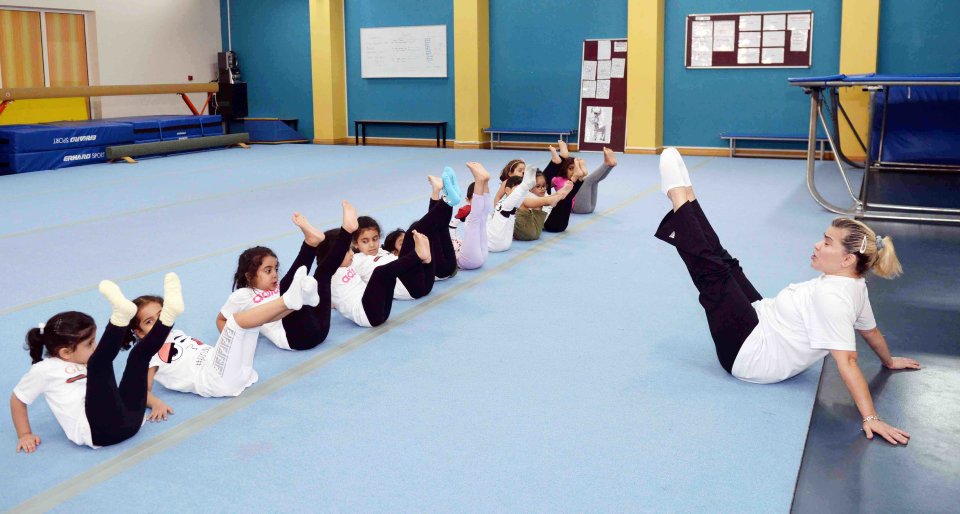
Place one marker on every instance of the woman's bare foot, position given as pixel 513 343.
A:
pixel 437 185
pixel 564 151
pixel 350 223
pixel 554 158
pixel 421 245
pixel 609 158
pixel 311 235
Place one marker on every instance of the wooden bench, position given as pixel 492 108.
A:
pixel 733 137
pixel 360 128
pixel 497 133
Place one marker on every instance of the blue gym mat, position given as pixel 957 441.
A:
pixel 574 373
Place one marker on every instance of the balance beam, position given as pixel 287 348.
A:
pixel 8 95
pixel 128 152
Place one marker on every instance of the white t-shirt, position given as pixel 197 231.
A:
pixel 500 227
pixel 186 364
pixel 365 264
pixel 346 294
pixel 64 386
pixel 247 297
pixel 801 325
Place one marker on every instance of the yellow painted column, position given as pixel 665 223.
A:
pixel 327 56
pixel 859 35
pixel 644 76
pixel 471 65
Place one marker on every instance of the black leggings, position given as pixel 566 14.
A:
pixel 419 279
pixel 559 216
pixel 309 326
pixel 443 254
pixel 725 293
pixel 378 295
pixel 116 413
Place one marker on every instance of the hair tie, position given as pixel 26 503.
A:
pixel 41 326
pixel 863 245
pixel 879 242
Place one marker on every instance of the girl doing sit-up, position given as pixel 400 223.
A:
pixel 531 215
pixel 766 340
pixel 586 199
pixel 77 378
pixel 255 281
pixel 366 303
pixel 185 364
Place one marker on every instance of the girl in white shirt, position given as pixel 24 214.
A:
pixel 500 226
pixel 418 281
pixel 768 340
pixel 366 303
pixel 256 280
pixel 186 364
pixel 77 378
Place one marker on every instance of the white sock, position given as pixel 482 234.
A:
pixel 310 295
pixel 123 310
pixel 172 299
pixel 293 298
pixel 673 173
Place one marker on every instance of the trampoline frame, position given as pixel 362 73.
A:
pixel 861 207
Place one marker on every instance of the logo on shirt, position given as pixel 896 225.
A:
pixel 348 276
pixel 263 295
pixel 78 377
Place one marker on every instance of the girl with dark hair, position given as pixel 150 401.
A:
pixel 256 281
pixel 585 201
pixel 76 376
pixel 766 340
pixel 500 226
pixel 417 281
pixel 535 209
pixel 185 364
pixel 366 303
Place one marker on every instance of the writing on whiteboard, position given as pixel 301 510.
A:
pixel 418 51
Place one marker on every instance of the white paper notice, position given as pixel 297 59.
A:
pixel 773 38
pixel 617 68
pixel 798 41
pixel 774 21
pixel 603 50
pixel 798 22
pixel 723 34
pixel 589 70
pixel 598 124
pixel 772 56
pixel 619 46
pixel 749 39
pixel 701 59
pixel 603 70
pixel 603 89
pixel 748 56
pixel 702 29
pixel 751 23
pixel 588 89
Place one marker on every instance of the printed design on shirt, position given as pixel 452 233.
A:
pixel 171 352
pixel 79 372
pixel 507 214
pixel 349 275
pixel 222 354
pixel 264 295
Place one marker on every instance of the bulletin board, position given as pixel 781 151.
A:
pixel 775 39
pixel 603 95
pixel 416 51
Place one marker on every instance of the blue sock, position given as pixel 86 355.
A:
pixel 451 190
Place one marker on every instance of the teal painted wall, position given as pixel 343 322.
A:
pixel 272 42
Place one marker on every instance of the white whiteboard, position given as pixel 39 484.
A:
pixel 419 51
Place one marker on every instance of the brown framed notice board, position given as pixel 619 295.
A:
pixel 775 39
pixel 603 95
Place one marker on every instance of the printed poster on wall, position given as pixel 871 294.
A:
pixel 780 39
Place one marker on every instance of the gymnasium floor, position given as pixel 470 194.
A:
pixel 572 374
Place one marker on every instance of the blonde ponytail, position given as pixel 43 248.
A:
pixel 873 253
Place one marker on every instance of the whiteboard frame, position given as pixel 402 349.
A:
pixel 441 72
